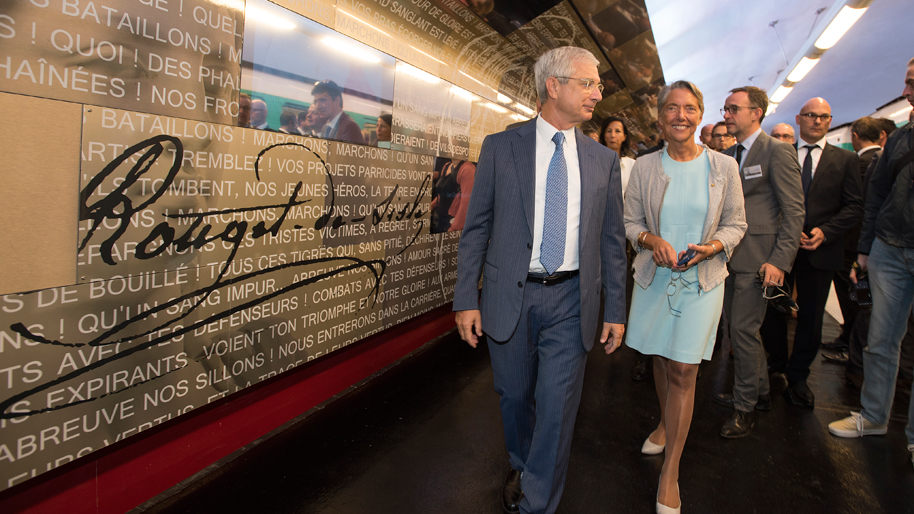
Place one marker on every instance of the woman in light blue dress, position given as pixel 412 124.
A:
pixel 683 198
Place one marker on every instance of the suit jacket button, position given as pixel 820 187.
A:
pixel 520 284
pixel 529 246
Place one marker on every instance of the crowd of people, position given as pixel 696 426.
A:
pixel 323 118
pixel 729 226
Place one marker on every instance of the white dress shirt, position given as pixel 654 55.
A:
pixel 747 144
pixel 816 153
pixel 329 129
pixel 626 164
pixel 544 150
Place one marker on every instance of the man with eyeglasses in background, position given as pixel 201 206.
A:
pixel 720 138
pixel 774 211
pixel 784 132
pixel 834 205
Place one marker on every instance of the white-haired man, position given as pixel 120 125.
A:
pixel 545 227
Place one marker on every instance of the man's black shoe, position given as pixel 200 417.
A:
pixel 836 345
pixel 639 370
pixel 799 394
pixel 512 493
pixel 777 380
pixel 739 425
pixel 836 358
pixel 763 403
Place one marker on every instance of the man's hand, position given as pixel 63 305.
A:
pixel 771 275
pixel 612 336
pixel 861 260
pixel 469 325
pixel 815 239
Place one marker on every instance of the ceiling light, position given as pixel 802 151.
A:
pixel 842 22
pixel 518 117
pixel 350 49
pixel 901 111
pixel 772 108
pixel 780 94
pixel 463 93
pixel 414 72
pixel 802 69
pixel 502 98
pixel 524 108
pixel 268 18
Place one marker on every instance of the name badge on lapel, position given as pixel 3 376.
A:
pixel 751 172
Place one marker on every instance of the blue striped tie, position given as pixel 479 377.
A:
pixel 555 214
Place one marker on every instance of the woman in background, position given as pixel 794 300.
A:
pixel 683 197
pixel 385 121
pixel 614 135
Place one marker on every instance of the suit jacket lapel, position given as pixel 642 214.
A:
pixel 588 183
pixel 755 150
pixel 524 148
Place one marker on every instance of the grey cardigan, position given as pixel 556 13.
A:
pixel 725 221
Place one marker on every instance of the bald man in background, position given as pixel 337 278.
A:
pixel 785 133
pixel 705 136
pixel 831 183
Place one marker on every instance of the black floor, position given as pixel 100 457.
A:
pixel 426 437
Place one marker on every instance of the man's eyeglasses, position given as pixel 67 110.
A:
pixel 720 136
pixel 589 84
pixel 779 296
pixel 733 109
pixel 813 116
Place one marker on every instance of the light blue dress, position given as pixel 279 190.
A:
pixel 653 329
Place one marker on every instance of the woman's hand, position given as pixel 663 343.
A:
pixel 702 252
pixel 664 255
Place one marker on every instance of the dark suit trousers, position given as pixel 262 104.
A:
pixel 539 374
pixel 849 308
pixel 812 286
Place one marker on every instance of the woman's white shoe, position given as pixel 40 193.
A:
pixel 663 509
pixel 649 448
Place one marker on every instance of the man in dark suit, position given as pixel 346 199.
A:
pixel 328 97
pixel 866 133
pixel 545 230
pixel 774 211
pixel 834 205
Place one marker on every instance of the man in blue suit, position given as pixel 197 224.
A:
pixel 545 230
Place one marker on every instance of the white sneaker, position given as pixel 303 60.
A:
pixel 856 425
